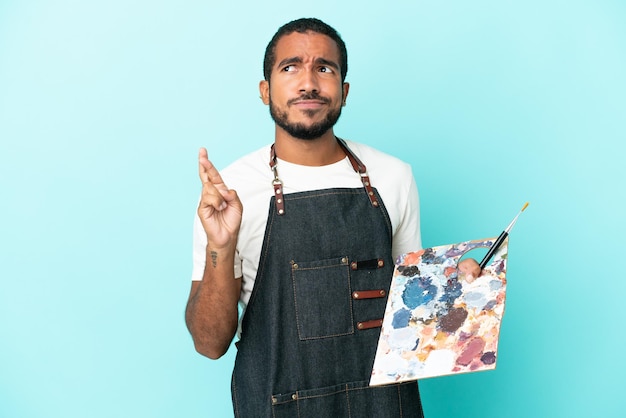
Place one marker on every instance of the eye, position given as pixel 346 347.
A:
pixel 326 69
pixel 289 68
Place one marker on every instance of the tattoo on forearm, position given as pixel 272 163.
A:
pixel 214 258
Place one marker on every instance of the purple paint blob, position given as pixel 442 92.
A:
pixel 488 358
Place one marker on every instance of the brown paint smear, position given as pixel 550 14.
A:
pixel 453 319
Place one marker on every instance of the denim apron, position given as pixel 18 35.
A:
pixel 311 327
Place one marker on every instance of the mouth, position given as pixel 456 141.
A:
pixel 309 104
pixel 309 101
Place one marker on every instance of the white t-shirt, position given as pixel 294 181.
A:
pixel 252 178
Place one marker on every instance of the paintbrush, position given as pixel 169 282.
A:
pixel 501 238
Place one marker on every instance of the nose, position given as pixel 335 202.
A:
pixel 309 81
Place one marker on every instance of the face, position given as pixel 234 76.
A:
pixel 305 92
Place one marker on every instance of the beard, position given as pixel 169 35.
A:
pixel 299 130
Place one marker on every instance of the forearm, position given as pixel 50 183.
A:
pixel 211 313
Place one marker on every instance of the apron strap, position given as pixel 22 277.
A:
pixel 356 163
pixel 360 168
pixel 277 183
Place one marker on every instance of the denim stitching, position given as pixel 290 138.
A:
pixel 293 280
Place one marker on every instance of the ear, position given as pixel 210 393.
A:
pixel 264 90
pixel 346 88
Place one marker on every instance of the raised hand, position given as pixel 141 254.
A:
pixel 220 209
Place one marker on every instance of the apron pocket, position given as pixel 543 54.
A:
pixel 355 399
pixel 323 298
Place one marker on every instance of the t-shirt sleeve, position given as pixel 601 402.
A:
pixel 408 235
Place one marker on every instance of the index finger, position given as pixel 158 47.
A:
pixel 206 169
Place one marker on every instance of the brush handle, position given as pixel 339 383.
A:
pixel 493 249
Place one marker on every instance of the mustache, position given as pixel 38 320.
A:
pixel 309 96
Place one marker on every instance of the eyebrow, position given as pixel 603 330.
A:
pixel 328 63
pixel 298 60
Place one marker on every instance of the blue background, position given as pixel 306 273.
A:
pixel 103 106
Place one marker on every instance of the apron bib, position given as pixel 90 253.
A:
pixel 311 327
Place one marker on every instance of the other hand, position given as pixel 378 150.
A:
pixel 469 269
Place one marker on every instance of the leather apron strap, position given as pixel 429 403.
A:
pixel 356 163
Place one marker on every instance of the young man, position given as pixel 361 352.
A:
pixel 303 234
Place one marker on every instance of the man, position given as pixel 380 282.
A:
pixel 303 235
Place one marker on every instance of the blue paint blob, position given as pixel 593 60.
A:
pixel 450 292
pixel 418 292
pixel 417 342
pixel 429 256
pixel 401 318
pixel 495 285
pixel 490 305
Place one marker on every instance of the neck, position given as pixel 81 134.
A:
pixel 312 152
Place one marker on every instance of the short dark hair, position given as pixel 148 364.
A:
pixel 302 26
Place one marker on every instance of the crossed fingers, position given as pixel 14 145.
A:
pixel 213 186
